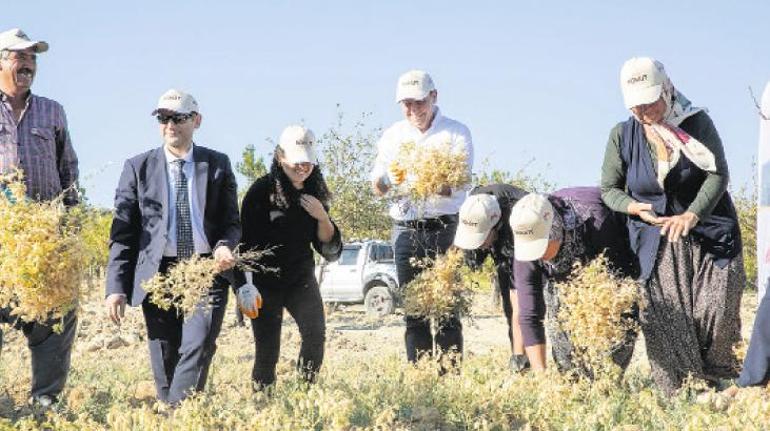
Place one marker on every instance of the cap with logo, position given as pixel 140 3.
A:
pixel 641 80
pixel 531 220
pixel 298 145
pixel 176 101
pixel 414 84
pixel 16 40
pixel 478 215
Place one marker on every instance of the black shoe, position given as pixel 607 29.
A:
pixel 519 363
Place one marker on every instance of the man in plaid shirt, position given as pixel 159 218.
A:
pixel 34 137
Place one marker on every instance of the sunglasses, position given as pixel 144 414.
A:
pixel 176 118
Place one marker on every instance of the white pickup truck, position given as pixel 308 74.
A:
pixel 365 272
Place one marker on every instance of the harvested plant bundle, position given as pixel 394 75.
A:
pixel 41 254
pixel 430 167
pixel 441 290
pixel 186 284
pixel 596 307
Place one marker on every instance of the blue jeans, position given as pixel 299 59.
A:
pixel 418 242
pixel 756 365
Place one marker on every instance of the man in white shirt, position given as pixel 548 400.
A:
pixel 421 229
pixel 173 202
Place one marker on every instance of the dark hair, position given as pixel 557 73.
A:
pixel 284 193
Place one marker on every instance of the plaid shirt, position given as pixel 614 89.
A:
pixel 40 145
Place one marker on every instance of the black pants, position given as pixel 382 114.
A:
pixel 504 281
pixel 302 300
pixel 181 350
pixel 50 351
pixel 419 242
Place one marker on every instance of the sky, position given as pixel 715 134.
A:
pixel 535 81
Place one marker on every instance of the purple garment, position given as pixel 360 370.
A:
pixel 596 228
pixel 41 146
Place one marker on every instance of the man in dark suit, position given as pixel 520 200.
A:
pixel 173 202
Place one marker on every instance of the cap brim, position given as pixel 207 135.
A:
pixel 642 96
pixel 39 46
pixel 530 250
pixel 467 240
pixel 169 110
pixel 407 95
pixel 300 157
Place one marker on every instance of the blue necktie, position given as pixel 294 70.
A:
pixel 184 236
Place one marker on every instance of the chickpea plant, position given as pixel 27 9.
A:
pixel 596 306
pixel 41 254
pixel 431 167
pixel 186 285
pixel 442 290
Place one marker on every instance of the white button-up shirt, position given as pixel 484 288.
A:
pixel 442 130
pixel 196 208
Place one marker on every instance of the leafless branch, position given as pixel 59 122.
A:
pixel 756 103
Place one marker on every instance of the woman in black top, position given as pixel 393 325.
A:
pixel 287 209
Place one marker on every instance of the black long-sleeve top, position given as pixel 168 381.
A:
pixel 291 232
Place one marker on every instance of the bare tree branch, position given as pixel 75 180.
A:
pixel 756 103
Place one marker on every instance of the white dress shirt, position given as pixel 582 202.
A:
pixel 196 208
pixel 442 130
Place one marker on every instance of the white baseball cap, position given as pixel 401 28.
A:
pixel 414 84
pixel 478 215
pixel 176 101
pixel 531 220
pixel 641 80
pixel 16 40
pixel 298 145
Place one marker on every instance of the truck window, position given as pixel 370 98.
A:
pixel 349 256
pixel 384 252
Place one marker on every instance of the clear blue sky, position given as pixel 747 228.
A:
pixel 532 80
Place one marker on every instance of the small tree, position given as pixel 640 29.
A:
pixel 348 156
pixel 533 183
pixel 250 166
pixel 746 207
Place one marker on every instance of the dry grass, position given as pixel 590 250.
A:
pixel 365 384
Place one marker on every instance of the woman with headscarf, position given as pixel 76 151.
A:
pixel 665 167
pixel 287 211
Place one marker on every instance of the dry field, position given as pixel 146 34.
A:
pixel 365 384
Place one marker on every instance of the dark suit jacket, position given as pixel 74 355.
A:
pixel 139 227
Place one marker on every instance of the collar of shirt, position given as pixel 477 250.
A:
pixel 170 158
pixel 200 240
pixel 5 100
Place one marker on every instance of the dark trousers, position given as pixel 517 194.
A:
pixel 530 295
pixel 50 351
pixel 181 350
pixel 756 365
pixel 302 300
pixel 504 281
pixel 419 242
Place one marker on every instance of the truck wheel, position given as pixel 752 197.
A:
pixel 379 301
